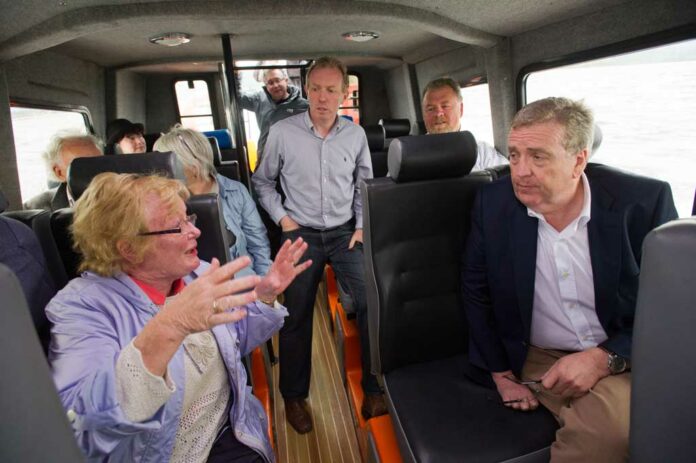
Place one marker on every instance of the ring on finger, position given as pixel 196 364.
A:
pixel 216 307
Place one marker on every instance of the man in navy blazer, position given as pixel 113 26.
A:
pixel 550 279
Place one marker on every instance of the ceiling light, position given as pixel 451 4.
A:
pixel 171 39
pixel 360 36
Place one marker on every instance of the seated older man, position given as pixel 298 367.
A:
pixel 443 108
pixel 62 149
pixel 550 279
pixel 147 344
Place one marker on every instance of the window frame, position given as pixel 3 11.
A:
pixel 638 44
pixel 606 51
pixel 49 106
pixel 39 104
pixel 360 97
pixel 213 106
pixel 473 81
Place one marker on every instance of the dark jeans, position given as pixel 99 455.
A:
pixel 296 335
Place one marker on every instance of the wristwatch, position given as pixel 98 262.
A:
pixel 615 362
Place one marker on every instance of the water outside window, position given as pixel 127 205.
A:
pixel 33 128
pixel 645 105
pixel 477 117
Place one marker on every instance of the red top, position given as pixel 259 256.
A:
pixel 156 296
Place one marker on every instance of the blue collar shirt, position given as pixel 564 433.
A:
pixel 320 177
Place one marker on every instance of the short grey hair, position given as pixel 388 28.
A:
pixel 444 82
pixel 52 154
pixel 268 71
pixel 575 117
pixel 191 148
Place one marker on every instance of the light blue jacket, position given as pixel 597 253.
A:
pixel 242 218
pixel 94 318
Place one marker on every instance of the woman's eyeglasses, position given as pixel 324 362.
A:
pixel 190 219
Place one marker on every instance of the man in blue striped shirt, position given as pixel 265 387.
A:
pixel 320 160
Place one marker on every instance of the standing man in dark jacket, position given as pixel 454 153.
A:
pixel 276 101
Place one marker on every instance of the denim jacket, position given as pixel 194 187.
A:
pixel 94 318
pixel 242 218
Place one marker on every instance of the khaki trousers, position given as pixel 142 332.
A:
pixel 594 427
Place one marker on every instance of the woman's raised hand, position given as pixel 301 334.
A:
pixel 204 302
pixel 284 269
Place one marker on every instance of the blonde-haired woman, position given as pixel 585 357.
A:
pixel 147 344
pixel 241 217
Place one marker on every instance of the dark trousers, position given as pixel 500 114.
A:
pixel 227 449
pixel 296 335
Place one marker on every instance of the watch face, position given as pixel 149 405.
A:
pixel 617 364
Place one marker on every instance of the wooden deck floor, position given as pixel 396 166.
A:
pixel 334 438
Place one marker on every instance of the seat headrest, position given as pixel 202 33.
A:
pixel 428 157
pixel 395 127
pixel 375 137
pixel 82 170
pixel 224 138
pixel 217 157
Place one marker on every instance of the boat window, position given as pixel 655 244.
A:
pixel 477 117
pixel 193 98
pixel 32 128
pixel 351 105
pixel 644 103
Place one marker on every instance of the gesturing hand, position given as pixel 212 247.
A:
pixel 283 270
pixel 203 303
pixel 200 306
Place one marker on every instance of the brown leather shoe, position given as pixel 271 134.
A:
pixel 373 405
pixel 297 415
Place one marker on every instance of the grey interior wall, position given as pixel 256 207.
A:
pixel 501 89
pixel 218 98
pixel 129 97
pixel 399 94
pixel 628 20
pixel 161 109
pixel 9 181
pixel 460 64
pixel 57 79
pixel 373 95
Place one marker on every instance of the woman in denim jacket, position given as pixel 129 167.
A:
pixel 241 216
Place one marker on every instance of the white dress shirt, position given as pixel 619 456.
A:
pixel 564 315
pixel 487 156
